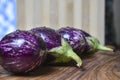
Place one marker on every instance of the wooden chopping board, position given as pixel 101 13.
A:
pixel 100 66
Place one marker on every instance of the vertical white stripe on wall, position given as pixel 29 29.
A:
pixel 37 13
pixel 96 19
pixel 62 12
pixel 29 13
pixel 69 15
pixel 101 21
pixel 77 12
pixel 85 15
pixel 93 15
pixel 46 12
pixel 21 14
pixel 54 13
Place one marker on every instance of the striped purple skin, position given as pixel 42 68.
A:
pixel 75 38
pixel 50 36
pixel 88 47
pixel 21 51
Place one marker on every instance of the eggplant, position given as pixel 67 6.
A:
pixel 21 51
pixel 81 41
pixel 75 38
pixel 57 46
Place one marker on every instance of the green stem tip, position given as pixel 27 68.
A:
pixel 104 48
pixel 95 45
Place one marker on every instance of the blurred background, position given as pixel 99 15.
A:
pixel 8 18
pixel 100 18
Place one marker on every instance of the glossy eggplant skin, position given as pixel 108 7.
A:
pixel 49 35
pixel 75 38
pixel 86 35
pixel 81 41
pixel 21 51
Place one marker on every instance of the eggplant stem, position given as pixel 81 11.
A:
pixel 104 48
pixel 75 57
pixel 65 53
pixel 95 45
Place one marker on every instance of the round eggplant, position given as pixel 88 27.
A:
pixel 21 51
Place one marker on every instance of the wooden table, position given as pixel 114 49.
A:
pixel 100 66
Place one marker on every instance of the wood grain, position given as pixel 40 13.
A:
pixel 100 66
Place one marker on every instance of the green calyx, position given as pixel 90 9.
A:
pixel 65 54
pixel 96 46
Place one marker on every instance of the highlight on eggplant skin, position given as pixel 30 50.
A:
pixel 21 52
pixel 49 35
pixel 58 49
pixel 75 38
pixel 91 44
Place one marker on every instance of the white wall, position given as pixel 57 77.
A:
pixel 84 14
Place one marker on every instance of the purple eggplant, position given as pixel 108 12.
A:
pixel 81 41
pixel 21 51
pixel 75 38
pixel 57 46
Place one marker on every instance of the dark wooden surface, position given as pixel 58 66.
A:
pixel 100 66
